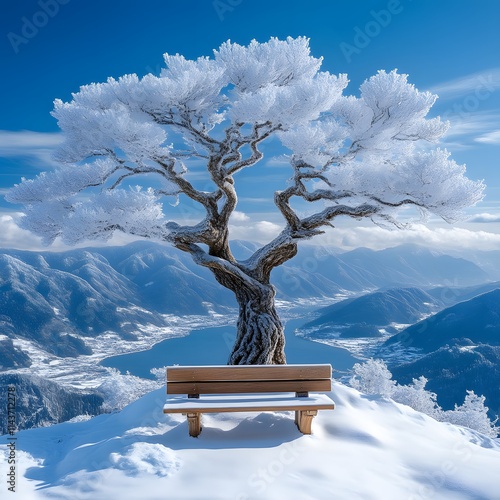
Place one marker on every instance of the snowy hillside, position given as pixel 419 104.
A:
pixel 477 320
pixel 367 448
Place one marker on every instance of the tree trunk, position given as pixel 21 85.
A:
pixel 260 338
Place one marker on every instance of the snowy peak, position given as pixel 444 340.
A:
pixel 477 319
pixel 415 265
pixel 378 309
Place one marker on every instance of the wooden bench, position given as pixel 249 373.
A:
pixel 242 388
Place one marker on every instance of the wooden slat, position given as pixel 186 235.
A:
pixel 248 386
pixel 248 372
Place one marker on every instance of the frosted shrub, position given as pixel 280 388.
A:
pixel 159 373
pixel 473 414
pixel 120 390
pixel 372 377
pixel 416 397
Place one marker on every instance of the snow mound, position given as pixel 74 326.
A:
pixel 146 458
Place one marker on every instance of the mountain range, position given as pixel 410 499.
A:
pixel 58 301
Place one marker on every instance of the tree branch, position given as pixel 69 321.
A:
pixel 310 224
pixel 253 141
pixel 219 265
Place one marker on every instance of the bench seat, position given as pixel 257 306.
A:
pixel 248 402
pixel 194 390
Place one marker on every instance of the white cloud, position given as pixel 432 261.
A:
pixel 259 231
pixel 466 98
pixel 468 129
pixel 490 137
pixel 480 84
pixel 345 238
pixel 485 217
pixel 239 217
pixel 470 124
pixel 12 236
pixel 440 238
pixel 26 143
pixel 466 124
pixel 26 139
pixel 278 161
pixel 248 199
pixel 269 228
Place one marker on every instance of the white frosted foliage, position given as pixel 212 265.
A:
pixel 279 63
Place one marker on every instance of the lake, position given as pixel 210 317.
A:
pixel 212 346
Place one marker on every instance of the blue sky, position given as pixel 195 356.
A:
pixel 48 48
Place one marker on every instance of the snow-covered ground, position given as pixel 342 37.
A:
pixel 367 448
pixel 84 372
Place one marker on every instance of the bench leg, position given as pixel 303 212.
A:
pixel 194 424
pixel 303 419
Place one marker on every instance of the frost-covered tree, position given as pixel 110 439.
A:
pixel 417 397
pixel 363 156
pixel 373 377
pixel 473 414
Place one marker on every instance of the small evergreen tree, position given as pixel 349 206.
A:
pixel 373 377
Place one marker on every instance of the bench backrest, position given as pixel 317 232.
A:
pixel 235 379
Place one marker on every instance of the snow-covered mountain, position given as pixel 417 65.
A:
pixel 42 402
pixel 58 299
pixel 387 310
pixel 364 316
pixel 412 265
pixel 457 349
pixel 477 321
pixel 368 447
pixel 317 270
